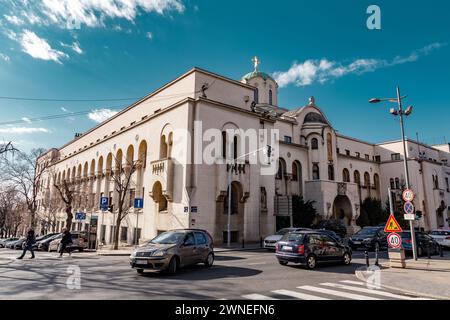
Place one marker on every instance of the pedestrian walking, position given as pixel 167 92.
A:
pixel 31 239
pixel 65 242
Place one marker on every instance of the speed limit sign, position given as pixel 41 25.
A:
pixel 394 240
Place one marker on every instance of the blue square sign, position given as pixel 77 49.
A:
pixel 138 203
pixel 104 203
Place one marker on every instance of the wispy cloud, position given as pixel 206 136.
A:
pixel 39 48
pixel 4 57
pixel 64 109
pixel 27 120
pixel 14 20
pixel 149 35
pixel 324 70
pixel 23 130
pixel 75 46
pixel 100 115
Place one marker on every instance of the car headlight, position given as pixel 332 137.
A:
pixel 133 255
pixel 159 253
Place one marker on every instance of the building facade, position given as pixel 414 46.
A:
pixel 178 191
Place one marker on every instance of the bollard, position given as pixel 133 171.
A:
pixel 441 251
pixel 243 244
pixel 376 256
pixel 260 242
pixel 428 251
pixel 366 254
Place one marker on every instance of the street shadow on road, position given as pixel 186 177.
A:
pixel 227 258
pixel 333 268
pixel 198 273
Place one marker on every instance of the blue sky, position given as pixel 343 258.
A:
pixel 319 48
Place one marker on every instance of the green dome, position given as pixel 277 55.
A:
pixel 255 74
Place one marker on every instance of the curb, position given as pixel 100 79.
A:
pixel 415 293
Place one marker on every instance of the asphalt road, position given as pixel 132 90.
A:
pixel 235 275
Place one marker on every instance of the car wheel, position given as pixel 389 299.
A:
pixel 173 266
pixel 311 262
pixel 140 271
pixel 209 260
pixel 283 263
pixel 347 258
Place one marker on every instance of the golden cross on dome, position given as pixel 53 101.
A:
pixel 256 62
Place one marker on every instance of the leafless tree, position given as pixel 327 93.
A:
pixel 24 171
pixel 6 147
pixel 122 179
pixel 8 201
pixel 66 193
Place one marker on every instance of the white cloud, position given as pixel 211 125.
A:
pixel 4 57
pixel 64 109
pixel 39 48
pixel 23 130
pixel 75 46
pixel 14 20
pixel 310 71
pixel 149 35
pixel 100 115
pixel 27 120
pixel 92 13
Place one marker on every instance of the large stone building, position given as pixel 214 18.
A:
pixel 312 159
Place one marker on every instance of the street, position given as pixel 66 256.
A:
pixel 235 275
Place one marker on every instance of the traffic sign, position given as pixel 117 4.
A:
pixel 392 225
pixel 408 217
pixel 408 195
pixel 394 240
pixel 408 207
pixel 138 203
pixel 80 216
pixel 104 203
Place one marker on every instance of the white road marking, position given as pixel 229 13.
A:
pixel 298 295
pixel 353 282
pixel 368 291
pixel 256 296
pixel 337 293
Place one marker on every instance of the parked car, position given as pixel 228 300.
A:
pixel 369 238
pixel 423 242
pixel 309 248
pixel 43 245
pixel 174 249
pixel 442 236
pixel 335 225
pixel 12 244
pixel 4 242
pixel 270 241
pixel 42 238
pixel 79 242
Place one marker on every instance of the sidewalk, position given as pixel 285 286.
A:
pixel 126 251
pixel 428 278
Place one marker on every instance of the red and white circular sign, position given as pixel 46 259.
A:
pixel 408 195
pixel 394 240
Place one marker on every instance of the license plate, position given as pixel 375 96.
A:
pixel 287 248
pixel 357 242
pixel 141 262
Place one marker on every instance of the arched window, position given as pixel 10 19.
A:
pixel 235 195
pixel 163 148
pixel 392 182
pixel 345 175
pixel 270 97
pixel 314 144
pixel 376 181
pixel 316 172
pixel 331 172
pixel 256 95
pixel 367 180
pixel 158 197
pixel 294 171
pixel 281 169
pixel 224 144
pixel 235 147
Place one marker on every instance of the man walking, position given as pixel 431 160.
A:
pixel 65 242
pixel 31 239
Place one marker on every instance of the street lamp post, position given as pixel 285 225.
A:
pixel 400 112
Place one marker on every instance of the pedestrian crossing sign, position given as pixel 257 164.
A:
pixel 392 225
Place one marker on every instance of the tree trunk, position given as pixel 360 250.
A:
pixel 69 217
pixel 32 219
pixel 117 230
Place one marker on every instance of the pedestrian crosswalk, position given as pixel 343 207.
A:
pixel 343 290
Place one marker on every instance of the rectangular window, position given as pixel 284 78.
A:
pixel 132 196
pixel 347 152
pixel 358 155
pixel 102 233
pixel 395 157
pixel 378 158
pixel 287 139
pixel 367 157
pixel 136 235
pixel 123 234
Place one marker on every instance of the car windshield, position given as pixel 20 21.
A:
pixel 293 237
pixel 282 232
pixel 367 232
pixel 440 233
pixel 168 238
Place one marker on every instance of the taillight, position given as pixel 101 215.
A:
pixel 408 240
pixel 301 249
pixel 447 238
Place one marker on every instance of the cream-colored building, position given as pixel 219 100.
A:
pixel 313 160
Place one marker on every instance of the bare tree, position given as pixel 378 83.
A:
pixel 8 202
pixel 122 179
pixel 6 147
pixel 25 172
pixel 66 192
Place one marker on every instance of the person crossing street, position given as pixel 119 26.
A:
pixel 65 242
pixel 31 239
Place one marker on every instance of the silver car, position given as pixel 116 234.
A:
pixel 270 241
pixel 174 249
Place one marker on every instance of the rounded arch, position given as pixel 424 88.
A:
pixel 314 144
pixel 130 155
pixel 64 177
pixel 281 168
pixel 366 179
pixel 376 181
pixel 92 168
pixel 236 195
pixel 119 158
pixel 100 165
pixel 158 197
pixel 142 153
pixel 85 169
pixel 315 171
pixel 109 159
pixel 345 175
pixel 296 171
pixel 342 209
pixel 357 177
pixel 80 168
